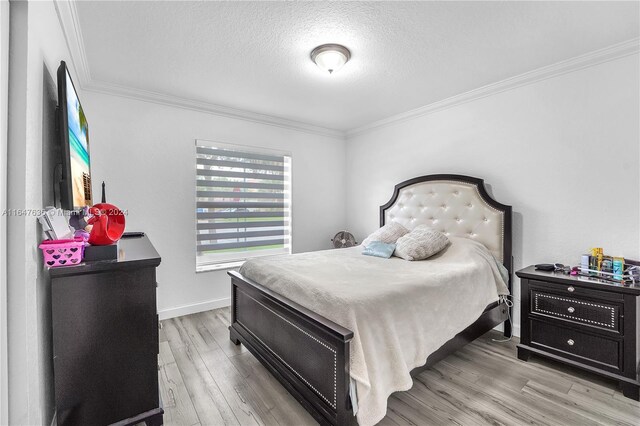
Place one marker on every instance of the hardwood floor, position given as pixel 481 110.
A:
pixel 206 380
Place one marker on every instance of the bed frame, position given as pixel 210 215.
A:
pixel 309 354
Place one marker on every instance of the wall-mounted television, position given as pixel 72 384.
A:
pixel 75 183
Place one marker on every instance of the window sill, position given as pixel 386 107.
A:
pixel 219 266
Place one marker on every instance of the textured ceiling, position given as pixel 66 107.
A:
pixel 255 55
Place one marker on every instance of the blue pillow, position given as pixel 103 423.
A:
pixel 379 249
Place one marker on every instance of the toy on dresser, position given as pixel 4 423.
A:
pixel 88 234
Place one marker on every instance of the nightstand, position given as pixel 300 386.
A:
pixel 582 322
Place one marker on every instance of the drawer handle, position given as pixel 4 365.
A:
pixel 571 289
pixel 571 309
pixel 570 342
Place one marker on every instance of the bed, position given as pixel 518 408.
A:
pixel 299 338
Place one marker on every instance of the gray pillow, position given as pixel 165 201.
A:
pixel 387 234
pixel 421 243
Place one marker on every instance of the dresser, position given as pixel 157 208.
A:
pixel 105 339
pixel 586 323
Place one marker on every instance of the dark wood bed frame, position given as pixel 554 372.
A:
pixel 309 354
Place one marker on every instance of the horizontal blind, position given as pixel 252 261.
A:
pixel 243 204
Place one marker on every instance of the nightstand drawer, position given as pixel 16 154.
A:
pixel 573 290
pixel 589 312
pixel 585 346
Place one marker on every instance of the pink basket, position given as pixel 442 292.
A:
pixel 62 252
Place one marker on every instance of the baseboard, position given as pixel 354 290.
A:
pixel 193 308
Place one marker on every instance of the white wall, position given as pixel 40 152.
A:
pixel 37 45
pixel 563 152
pixel 146 154
pixel 4 99
pixel 538 146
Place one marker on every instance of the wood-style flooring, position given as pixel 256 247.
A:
pixel 206 380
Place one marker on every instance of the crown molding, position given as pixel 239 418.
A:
pixel 69 21
pixel 596 57
pixel 68 17
pixel 209 108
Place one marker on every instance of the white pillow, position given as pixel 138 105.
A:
pixel 388 234
pixel 422 242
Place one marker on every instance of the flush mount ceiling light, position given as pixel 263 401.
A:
pixel 330 57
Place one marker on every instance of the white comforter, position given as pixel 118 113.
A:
pixel 400 311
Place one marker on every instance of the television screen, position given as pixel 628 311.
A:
pixel 76 184
pixel 78 148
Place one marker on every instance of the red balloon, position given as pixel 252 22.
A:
pixel 108 224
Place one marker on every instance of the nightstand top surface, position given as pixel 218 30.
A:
pixel 561 278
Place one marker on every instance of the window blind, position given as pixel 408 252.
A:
pixel 243 204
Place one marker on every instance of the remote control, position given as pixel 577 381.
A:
pixel 132 234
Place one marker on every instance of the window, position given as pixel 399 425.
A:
pixel 243 204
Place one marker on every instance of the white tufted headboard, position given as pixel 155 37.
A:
pixel 456 205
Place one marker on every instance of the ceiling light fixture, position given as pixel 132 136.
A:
pixel 330 57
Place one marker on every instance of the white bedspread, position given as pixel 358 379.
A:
pixel 400 311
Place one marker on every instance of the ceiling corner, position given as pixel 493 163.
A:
pixel 68 16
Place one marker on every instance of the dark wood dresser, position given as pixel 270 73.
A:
pixel 582 322
pixel 105 338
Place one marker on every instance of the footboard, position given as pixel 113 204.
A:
pixel 306 352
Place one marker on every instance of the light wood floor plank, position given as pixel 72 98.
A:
pixel 491 369
pixel 430 401
pixel 279 401
pixel 541 412
pixel 551 370
pixel 408 411
pixel 178 407
pixel 218 326
pixel 434 400
pixel 617 395
pixel 199 336
pixel 606 404
pixel 176 335
pixel 246 405
pixel 584 407
pixel 510 412
pixel 596 393
pixel 210 404
pixel 516 407
pixel 200 323
pixel 465 400
pixel 248 408
pixel 484 383
pixel 162 335
pixel 512 367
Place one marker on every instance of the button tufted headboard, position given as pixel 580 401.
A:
pixel 456 205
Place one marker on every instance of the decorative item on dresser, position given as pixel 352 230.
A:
pixel 587 323
pixel 105 338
